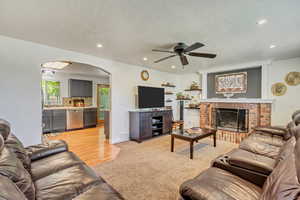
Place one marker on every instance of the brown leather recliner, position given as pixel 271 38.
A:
pixel 218 184
pixel 46 172
pixel 257 155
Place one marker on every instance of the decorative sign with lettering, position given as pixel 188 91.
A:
pixel 231 83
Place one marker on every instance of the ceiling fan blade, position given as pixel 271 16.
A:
pixel 166 51
pixel 165 58
pixel 203 55
pixel 193 47
pixel 184 60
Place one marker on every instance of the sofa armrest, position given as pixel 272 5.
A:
pixel 254 177
pixel 251 161
pixel 272 130
pixel 40 151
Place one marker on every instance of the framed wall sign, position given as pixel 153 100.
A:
pixel 231 83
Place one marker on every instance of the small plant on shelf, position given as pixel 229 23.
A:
pixel 180 95
pixel 194 86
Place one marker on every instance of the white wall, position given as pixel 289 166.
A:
pixel 63 78
pixel 285 105
pixel 20 77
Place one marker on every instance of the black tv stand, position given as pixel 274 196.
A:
pixel 146 124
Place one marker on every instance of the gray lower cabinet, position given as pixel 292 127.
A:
pixel 59 120
pixel 47 121
pixel 54 120
pixel 90 117
pixel 147 124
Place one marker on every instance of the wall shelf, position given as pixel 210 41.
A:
pixel 188 90
pixel 191 108
pixel 168 85
pixel 169 93
pixel 187 99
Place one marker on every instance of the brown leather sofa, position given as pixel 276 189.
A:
pixel 258 154
pixel 264 167
pixel 46 172
pixel 218 184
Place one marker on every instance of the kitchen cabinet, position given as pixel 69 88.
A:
pixel 80 88
pixel 54 120
pixel 47 121
pixel 59 120
pixel 90 117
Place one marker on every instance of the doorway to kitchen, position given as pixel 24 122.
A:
pixel 76 108
pixel 103 107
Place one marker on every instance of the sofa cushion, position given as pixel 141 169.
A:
pixel 101 191
pixel 283 183
pixel 216 183
pixel 259 147
pixel 9 190
pixel 272 140
pixel 11 167
pixel 15 145
pixel 53 164
pixel 66 184
pixel 251 161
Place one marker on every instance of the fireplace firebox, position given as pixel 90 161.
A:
pixel 229 119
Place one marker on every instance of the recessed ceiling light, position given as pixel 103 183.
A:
pixel 145 59
pixel 173 66
pixel 99 45
pixel 262 22
pixel 272 46
pixel 56 64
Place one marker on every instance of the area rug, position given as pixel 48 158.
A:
pixel 150 171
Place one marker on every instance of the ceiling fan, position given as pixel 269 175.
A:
pixel 182 50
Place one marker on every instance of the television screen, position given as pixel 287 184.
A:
pixel 151 97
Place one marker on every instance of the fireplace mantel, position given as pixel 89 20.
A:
pixel 238 100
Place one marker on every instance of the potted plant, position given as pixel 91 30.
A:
pixel 194 86
pixel 180 95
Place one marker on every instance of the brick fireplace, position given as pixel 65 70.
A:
pixel 258 114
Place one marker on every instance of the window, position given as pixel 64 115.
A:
pixel 51 92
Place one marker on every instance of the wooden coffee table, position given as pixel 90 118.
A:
pixel 192 137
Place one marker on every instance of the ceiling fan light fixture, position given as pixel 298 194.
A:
pixel 56 64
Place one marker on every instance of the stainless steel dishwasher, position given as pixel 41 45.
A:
pixel 74 119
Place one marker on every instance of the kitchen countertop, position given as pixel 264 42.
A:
pixel 67 108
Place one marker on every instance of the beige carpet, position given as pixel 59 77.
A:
pixel 150 171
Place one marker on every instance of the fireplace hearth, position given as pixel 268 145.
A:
pixel 235 120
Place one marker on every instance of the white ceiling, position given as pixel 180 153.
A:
pixel 129 29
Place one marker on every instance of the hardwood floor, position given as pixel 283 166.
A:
pixel 89 144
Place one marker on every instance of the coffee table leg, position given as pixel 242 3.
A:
pixel 191 149
pixel 215 139
pixel 172 143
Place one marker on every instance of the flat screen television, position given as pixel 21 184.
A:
pixel 151 97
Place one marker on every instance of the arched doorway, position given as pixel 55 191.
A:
pixel 76 104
